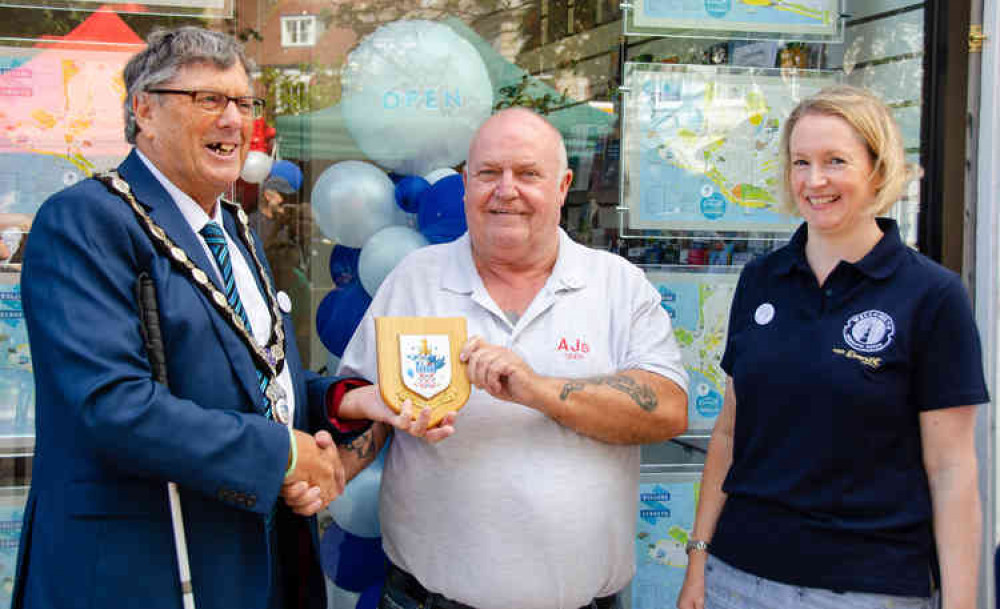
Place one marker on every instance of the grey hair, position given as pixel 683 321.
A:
pixel 167 52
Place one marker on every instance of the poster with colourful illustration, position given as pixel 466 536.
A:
pixel 698 304
pixel 702 145
pixel 796 19
pixel 667 504
pixel 61 110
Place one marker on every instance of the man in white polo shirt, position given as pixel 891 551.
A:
pixel 531 503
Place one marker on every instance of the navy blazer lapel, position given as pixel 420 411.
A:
pixel 299 388
pixel 164 211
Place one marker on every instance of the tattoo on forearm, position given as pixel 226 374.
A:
pixel 569 388
pixel 641 394
pixel 363 446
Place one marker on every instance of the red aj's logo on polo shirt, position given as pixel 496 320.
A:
pixel 573 348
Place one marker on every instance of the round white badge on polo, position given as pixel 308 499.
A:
pixel 284 302
pixel 764 314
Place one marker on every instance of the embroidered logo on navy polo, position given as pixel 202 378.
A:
pixel 869 332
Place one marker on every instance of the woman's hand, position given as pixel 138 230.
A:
pixel 692 594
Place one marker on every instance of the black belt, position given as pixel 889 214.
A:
pixel 397 578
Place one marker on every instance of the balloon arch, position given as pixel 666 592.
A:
pixel 414 94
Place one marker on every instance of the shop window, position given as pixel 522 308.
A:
pixel 299 31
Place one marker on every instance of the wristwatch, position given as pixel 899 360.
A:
pixel 696 544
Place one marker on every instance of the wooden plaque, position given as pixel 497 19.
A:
pixel 418 360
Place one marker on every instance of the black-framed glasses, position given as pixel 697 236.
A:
pixel 216 103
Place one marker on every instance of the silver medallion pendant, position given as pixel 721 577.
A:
pixel 279 402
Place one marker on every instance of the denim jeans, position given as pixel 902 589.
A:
pixel 727 587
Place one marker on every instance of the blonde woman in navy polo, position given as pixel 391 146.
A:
pixel 841 472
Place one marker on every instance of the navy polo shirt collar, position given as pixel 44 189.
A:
pixel 879 263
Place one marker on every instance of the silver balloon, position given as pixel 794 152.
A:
pixel 338 598
pixel 352 201
pixel 256 167
pixel 414 93
pixel 383 251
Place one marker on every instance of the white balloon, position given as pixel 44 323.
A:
pixel 356 510
pixel 437 174
pixel 256 167
pixel 414 93
pixel 352 201
pixel 332 363
pixel 383 251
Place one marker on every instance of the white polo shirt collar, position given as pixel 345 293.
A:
pixel 460 275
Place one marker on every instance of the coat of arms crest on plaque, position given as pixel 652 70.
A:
pixel 418 360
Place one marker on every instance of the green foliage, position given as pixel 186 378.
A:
pixel 306 88
pixel 518 95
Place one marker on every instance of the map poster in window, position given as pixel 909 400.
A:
pixel 12 501
pixel 667 503
pixel 698 304
pixel 789 19
pixel 701 145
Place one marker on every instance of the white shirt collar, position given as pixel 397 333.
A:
pixel 461 275
pixel 192 212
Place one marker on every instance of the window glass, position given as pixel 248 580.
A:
pixel 437 67
pixel 298 31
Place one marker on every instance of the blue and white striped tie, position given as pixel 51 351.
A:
pixel 216 241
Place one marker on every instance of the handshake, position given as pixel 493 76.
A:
pixel 321 473
pixel 318 477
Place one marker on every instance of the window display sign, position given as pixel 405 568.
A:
pixel 698 304
pixel 194 8
pixel 62 116
pixel 12 502
pixel 788 19
pixel 701 145
pixel 17 385
pixel 667 504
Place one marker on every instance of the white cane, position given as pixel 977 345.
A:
pixel 180 544
pixel 149 315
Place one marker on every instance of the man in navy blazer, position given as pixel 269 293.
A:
pixel 97 526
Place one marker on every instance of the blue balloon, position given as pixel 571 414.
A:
pixel 356 510
pixel 370 597
pixel 441 210
pixel 408 191
pixel 353 563
pixel 344 264
pixel 339 314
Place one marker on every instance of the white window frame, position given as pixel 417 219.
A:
pixel 298 30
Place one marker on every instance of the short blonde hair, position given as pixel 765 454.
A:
pixel 872 120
